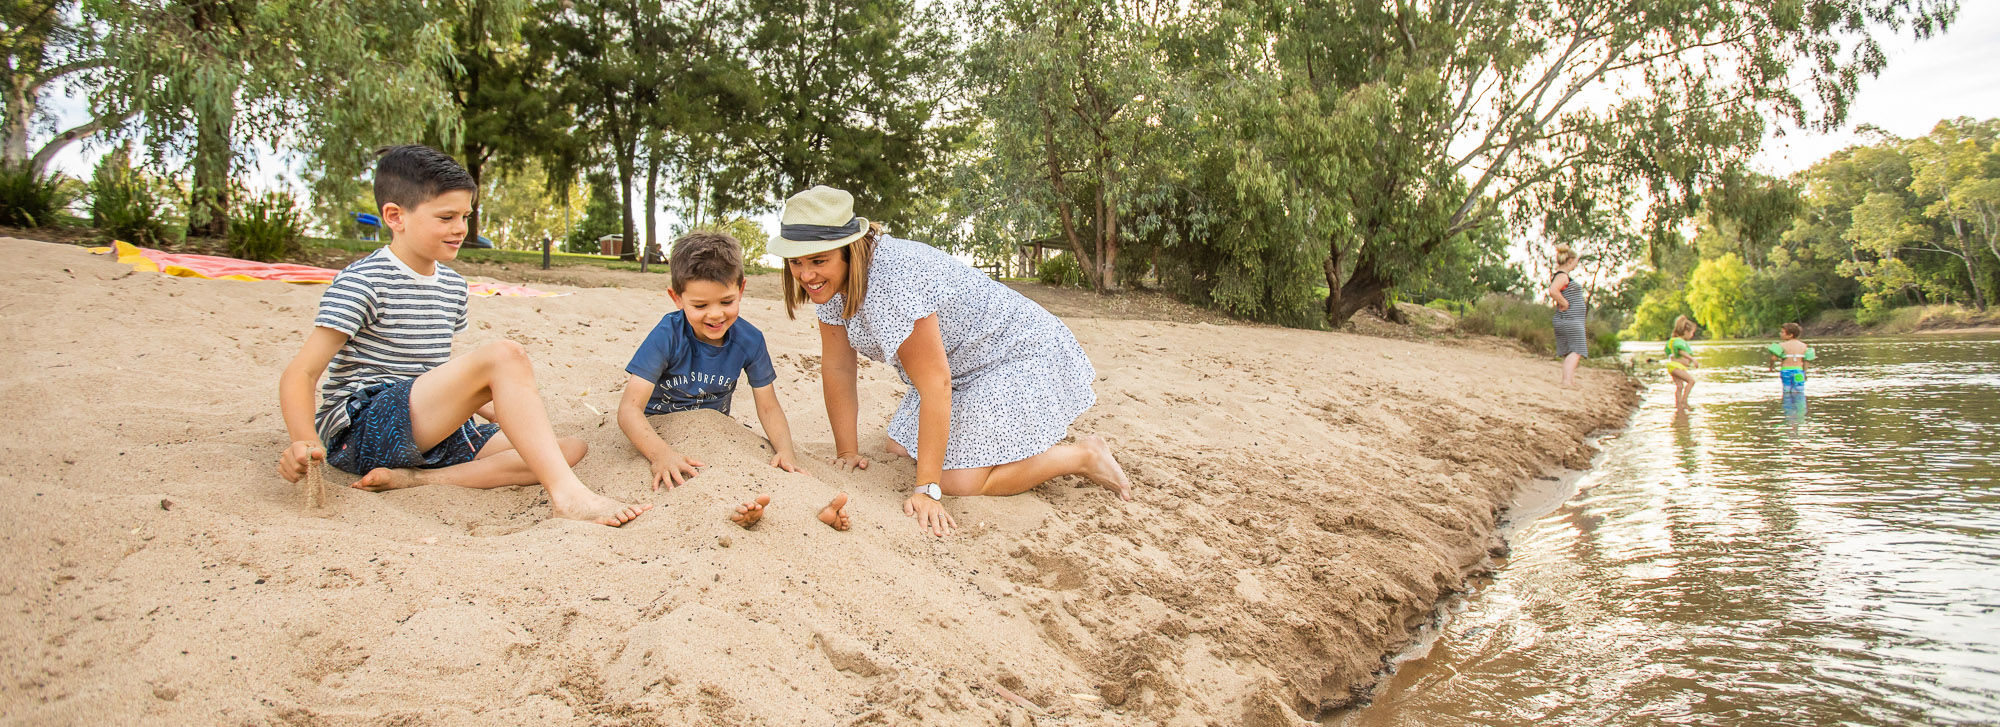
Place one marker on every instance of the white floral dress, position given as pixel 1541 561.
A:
pixel 1018 376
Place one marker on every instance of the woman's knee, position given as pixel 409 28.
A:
pixel 573 449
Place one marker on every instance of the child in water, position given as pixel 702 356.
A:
pixel 1790 356
pixel 1680 361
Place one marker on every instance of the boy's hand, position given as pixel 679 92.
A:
pixel 293 463
pixel 673 470
pixel 783 461
pixel 849 461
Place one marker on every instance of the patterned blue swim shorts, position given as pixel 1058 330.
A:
pixel 1793 378
pixel 380 435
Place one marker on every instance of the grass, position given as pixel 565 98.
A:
pixel 1510 317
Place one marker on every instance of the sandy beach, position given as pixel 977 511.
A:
pixel 1302 500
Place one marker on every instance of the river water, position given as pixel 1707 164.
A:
pixel 1763 560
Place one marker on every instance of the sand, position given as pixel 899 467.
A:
pixel 1303 499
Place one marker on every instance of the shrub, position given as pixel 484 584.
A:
pixel 28 199
pixel 266 227
pixel 1528 322
pixel 1061 271
pixel 125 204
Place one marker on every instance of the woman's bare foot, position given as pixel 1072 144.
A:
pixel 835 512
pixel 591 507
pixel 383 479
pixel 747 514
pixel 1103 469
pixel 898 450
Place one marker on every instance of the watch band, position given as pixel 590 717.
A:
pixel 932 489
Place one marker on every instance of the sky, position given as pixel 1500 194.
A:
pixel 1955 74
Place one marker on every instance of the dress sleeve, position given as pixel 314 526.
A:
pixel 894 307
pixel 829 312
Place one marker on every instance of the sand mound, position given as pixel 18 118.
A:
pixel 1303 498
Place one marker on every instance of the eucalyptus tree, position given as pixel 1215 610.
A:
pixel 1441 117
pixel 44 45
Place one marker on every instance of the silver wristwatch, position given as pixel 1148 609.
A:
pixel 932 489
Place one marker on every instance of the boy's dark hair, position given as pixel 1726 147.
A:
pixel 706 255
pixel 1792 329
pixel 413 174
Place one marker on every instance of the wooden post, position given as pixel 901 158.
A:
pixel 545 251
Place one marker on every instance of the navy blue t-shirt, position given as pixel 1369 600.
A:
pixel 690 374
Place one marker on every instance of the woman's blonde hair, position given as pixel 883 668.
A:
pixel 1564 254
pixel 1683 327
pixel 858 255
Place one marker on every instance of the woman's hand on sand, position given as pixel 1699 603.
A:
pixel 673 470
pixel 783 461
pixel 849 461
pixel 293 463
pixel 930 514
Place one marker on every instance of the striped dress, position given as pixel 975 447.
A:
pixel 1569 323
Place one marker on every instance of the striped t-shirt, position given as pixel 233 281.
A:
pixel 399 325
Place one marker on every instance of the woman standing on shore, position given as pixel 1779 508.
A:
pixel 1572 345
pixel 994 379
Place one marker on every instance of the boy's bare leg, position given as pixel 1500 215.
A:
pixel 1089 457
pixel 747 514
pixel 835 512
pixel 497 465
pixel 500 373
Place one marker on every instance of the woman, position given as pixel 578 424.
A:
pixel 994 379
pixel 1572 346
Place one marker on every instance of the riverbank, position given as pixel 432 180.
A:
pixel 1910 319
pixel 1303 499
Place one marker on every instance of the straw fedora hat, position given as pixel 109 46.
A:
pixel 815 221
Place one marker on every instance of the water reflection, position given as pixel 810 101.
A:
pixel 1768 558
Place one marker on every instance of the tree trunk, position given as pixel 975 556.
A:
pixel 1971 269
pixel 55 146
pixel 208 208
pixel 1064 209
pixel 477 168
pixel 20 104
pixel 652 199
pixel 1344 298
pixel 1107 246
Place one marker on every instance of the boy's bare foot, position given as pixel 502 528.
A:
pixel 747 514
pixel 1103 468
pixel 835 512
pixel 383 479
pixel 594 508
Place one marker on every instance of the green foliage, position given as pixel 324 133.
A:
pixel 601 216
pixel 746 231
pixel 1060 271
pixel 266 227
pixel 29 198
pixel 1717 293
pixel 1653 319
pixel 125 204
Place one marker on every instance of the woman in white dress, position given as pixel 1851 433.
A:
pixel 994 379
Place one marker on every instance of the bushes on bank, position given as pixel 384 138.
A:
pixel 126 204
pixel 1529 322
pixel 28 199
pixel 266 227
pixel 1061 271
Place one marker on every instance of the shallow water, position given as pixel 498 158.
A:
pixel 1831 559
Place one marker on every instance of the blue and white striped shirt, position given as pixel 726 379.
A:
pixel 399 325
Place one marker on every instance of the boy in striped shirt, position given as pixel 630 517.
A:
pixel 396 408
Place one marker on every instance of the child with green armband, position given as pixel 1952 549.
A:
pixel 1790 355
pixel 1680 361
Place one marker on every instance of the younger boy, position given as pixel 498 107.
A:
pixel 396 408
pixel 1791 354
pixel 692 360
